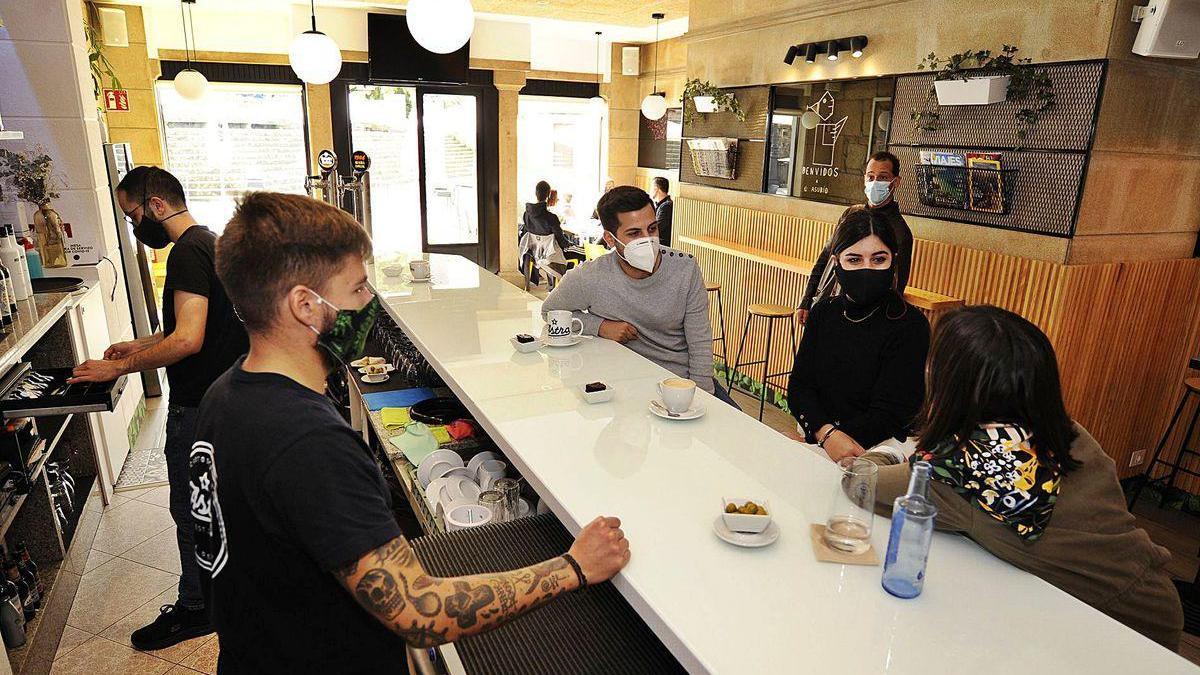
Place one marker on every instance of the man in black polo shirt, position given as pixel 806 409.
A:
pixel 309 570
pixel 200 339
pixel 880 180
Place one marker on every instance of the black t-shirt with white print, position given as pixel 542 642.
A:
pixel 284 492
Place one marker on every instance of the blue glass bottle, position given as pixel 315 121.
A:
pixel 912 531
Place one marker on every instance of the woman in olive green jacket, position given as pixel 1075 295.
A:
pixel 1015 474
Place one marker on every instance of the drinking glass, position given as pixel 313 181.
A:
pixel 853 511
pixel 510 489
pixel 494 501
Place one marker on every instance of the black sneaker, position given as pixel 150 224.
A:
pixel 173 625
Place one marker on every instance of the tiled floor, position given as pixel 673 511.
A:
pixel 146 464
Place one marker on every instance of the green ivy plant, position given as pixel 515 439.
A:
pixel 101 67
pixel 725 100
pixel 1028 85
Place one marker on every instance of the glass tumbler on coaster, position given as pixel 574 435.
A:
pixel 510 489
pixel 494 501
pixel 849 526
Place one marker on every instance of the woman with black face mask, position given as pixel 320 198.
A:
pixel 858 377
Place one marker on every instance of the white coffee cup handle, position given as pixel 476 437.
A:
pixel 660 389
pixel 576 320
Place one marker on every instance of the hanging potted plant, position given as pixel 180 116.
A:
pixel 30 176
pixel 978 77
pixel 707 98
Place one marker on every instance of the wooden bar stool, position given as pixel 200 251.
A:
pixel 1192 385
pixel 716 288
pixel 770 314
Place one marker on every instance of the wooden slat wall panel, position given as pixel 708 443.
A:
pixel 1123 332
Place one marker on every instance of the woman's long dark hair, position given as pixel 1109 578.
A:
pixel 858 223
pixel 987 364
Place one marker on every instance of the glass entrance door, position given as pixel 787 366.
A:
pixel 383 123
pixel 450 162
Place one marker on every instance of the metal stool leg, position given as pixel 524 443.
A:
pixel 738 361
pixel 762 399
pixel 1179 458
pixel 1145 477
pixel 724 344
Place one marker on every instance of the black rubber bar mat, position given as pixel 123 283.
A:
pixel 589 631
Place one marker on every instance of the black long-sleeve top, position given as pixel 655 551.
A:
pixel 867 377
pixel 541 221
pixel 904 240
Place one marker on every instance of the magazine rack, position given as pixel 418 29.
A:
pixel 981 189
pixel 714 157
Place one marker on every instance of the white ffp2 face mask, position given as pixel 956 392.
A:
pixel 641 253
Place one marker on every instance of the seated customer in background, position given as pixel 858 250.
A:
pixel 1014 473
pixel 646 296
pixel 309 571
pixel 538 218
pixel 858 378
pixel 881 178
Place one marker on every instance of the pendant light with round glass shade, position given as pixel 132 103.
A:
pixel 597 102
pixel 441 26
pixel 654 106
pixel 189 82
pixel 314 56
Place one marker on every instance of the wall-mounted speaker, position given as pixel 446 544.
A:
pixel 631 60
pixel 113 27
pixel 1170 29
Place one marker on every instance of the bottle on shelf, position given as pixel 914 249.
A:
pixel 9 285
pixel 29 572
pixel 14 575
pixel 7 304
pixel 33 259
pixel 12 620
pixel 912 532
pixel 14 258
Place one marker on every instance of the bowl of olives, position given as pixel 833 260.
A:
pixel 745 515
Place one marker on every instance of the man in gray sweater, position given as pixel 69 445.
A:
pixel 646 296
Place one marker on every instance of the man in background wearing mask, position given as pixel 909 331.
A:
pixel 881 178
pixel 644 295
pixel 309 570
pixel 200 339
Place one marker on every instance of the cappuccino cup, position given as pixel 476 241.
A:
pixel 419 269
pixel 677 394
pixel 560 326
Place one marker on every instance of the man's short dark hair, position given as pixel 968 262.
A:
pixel 621 199
pixel 144 182
pixel 277 241
pixel 885 156
pixel 542 190
pixel 663 184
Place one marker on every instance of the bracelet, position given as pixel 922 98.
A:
pixel 821 442
pixel 578 570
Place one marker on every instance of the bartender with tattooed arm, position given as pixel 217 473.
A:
pixel 308 570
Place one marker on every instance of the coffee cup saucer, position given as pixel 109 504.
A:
pixel 691 413
pixel 573 340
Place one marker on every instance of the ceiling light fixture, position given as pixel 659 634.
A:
pixel 791 54
pixel 654 106
pixel 810 53
pixel 189 82
pixel 831 48
pixel 597 102
pixel 441 26
pixel 857 44
pixel 314 56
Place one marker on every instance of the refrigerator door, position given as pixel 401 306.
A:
pixel 118 157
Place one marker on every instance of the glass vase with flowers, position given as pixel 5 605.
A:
pixel 30 177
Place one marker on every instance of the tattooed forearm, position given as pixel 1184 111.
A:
pixel 390 583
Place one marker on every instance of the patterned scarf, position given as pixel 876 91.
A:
pixel 998 470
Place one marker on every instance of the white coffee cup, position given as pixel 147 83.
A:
pixel 489 472
pixel 677 393
pixel 419 269
pixel 559 327
pixel 464 516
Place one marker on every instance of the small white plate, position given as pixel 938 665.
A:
pixel 525 347
pixel 459 472
pixel 480 458
pixel 386 366
pixel 425 470
pixel 765 538
pixel 603 396
pixel 375 379
pixel 433 492
pixel 691 413
pixel 575 339
pixel 459 487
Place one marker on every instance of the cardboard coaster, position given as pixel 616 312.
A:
pixel 826 554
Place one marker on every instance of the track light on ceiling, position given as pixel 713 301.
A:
pixel 832 49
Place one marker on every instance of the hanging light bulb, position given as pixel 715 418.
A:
pixel 189 82
pixel 314 56
pixel 597 102
pixel 654 106
pixel 441 26
pixel 810 119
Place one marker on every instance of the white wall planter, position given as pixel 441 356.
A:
pixel 973 91
pixel 705 104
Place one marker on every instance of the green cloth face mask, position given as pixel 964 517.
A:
pixel 346 337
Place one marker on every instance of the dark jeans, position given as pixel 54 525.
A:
pixel 181 433
pixel 723 395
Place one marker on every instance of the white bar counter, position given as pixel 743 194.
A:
pixel 718 608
